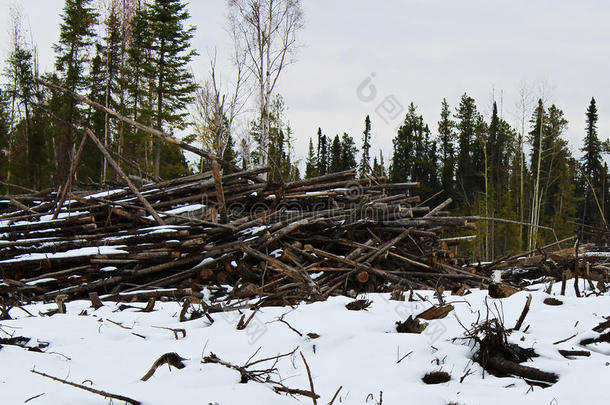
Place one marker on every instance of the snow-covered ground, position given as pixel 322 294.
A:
pixel 357 350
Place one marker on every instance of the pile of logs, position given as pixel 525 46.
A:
pixel 302 240
pixel 586 264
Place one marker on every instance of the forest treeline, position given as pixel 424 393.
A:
pixel 133 57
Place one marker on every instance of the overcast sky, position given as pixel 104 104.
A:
pixel 375 57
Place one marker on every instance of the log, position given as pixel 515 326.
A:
pixel 68 185
pixel 119 171
pixel 501 365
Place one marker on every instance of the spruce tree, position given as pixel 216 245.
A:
pixel 229 154
pixel 558 199
pixel 403 157
pixel 366 147
pixel 311 164
pixel 318 147
pixel 592 147
pixel 348 152
pixel 75 38
pixel 500 138
pixel 336 165
pixel 536 136
pixel 323 159
pixel 376 167
pixel 91 167
pixel 446 135
pixel 111 57
pixel 20 91
pixel 470 168
pixel 172 82
pixel 138 105
pixel 592 168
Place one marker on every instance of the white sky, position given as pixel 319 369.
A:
pixel 419 51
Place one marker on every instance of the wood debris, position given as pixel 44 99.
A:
pixel 304 240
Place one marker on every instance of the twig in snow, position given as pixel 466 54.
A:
pixel 92 390
pixel 526 309
pixel 313 391
pixel 564 340
pixel 335 396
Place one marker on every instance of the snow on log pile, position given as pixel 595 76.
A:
pixel 308 239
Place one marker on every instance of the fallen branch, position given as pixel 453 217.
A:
pixel 89 389
pixel 526 309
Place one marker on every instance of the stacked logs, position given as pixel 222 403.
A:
pixel 306 239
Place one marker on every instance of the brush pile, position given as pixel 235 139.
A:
pixel 302 240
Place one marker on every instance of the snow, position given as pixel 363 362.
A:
pixel 85 251
pixel 180 210
pixel 41 281
pixel 103 194
pixel 596 254
pixel 45 218
pixel 357 350
pixel 163 228
pixel 254 230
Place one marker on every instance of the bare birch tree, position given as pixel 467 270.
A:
pixel 523 107
pixel 265 31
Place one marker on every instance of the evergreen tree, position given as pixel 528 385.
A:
pixel 90 169
pixel 592 169
pixel 138 107
pixel 318 145
pixel 311 164
pixel 446 135
pixel 536 136
pixel 229 154
pixel 470 158
pixel 348 152
pixel 558 198
pixel 323 154
pixel 403 158
pixel 366 146
pixel 279 143
pixel 20 91
pixel 376 167
pixel 172 83
pixel 111 57
pixel 336 165
pixel 500 138
pixel 415 156
pixel 276 155
pixel 75 38
pixel 592 148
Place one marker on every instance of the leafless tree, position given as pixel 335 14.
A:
pixel 265 32
pixel 17 34
pixel 523 106
pixel 217 107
